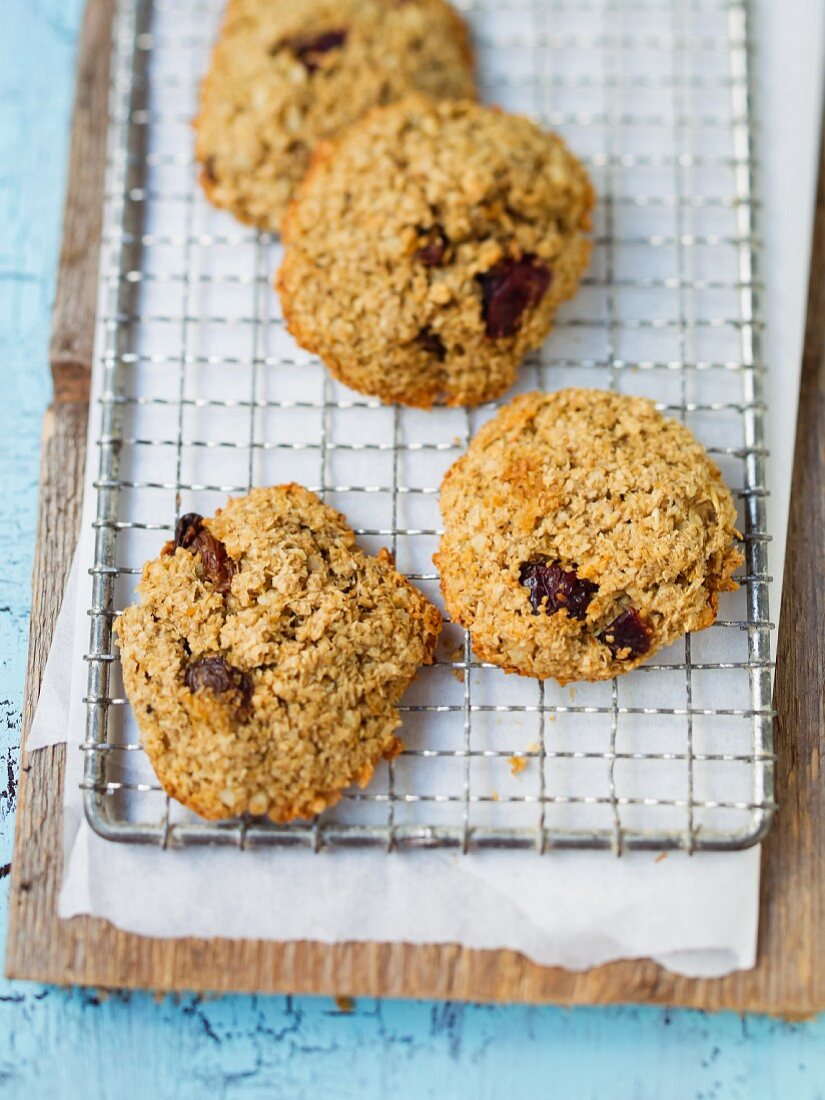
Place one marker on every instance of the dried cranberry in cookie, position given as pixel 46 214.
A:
pixel 553 588
pixel 449 218
pixel 432 343
pixel 584 531
pixel 187 529
pixel 508 290
pixel 217 565
pixel 433 249
pixel 215 674
pixel 191 534
pixel 628 636
pixel 310 48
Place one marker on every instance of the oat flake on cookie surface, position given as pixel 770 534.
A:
pixel 584 532
pixel 429 248
pixel 285 74
pixel 267 654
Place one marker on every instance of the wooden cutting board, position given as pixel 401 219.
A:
pixel 790 976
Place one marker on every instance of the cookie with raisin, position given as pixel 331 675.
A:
pixel 584 531
pixel 267 654
pixel 286 74
pixel 430 248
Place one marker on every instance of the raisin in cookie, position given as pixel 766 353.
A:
pixel 584 531
pixel 267 654
pixel 288 73
pixel 430 247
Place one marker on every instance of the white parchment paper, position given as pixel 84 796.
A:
pixel 696 915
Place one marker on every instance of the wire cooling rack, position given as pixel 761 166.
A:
pixel 201 393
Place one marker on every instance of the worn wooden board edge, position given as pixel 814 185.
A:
pixel 789 978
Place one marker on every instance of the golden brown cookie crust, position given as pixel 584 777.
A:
pixel 286 74
pixel 605 488
pixel 320 639
pixel 398 228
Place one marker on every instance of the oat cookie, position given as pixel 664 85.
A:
pixel 287 73
pixel 584 531
pixel 267 654
pixel 430 247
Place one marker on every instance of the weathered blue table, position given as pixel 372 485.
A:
pixel 57 1044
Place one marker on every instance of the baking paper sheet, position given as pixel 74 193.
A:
pixel 696 915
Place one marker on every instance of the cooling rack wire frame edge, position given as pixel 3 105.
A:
pixel 122 275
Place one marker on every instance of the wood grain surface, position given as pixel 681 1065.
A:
pixel 790 976
pixel 73 326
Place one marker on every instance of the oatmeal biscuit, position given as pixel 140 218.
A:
pixel 287 73
pixel 584 531
pixel 430 247
pixel 267 654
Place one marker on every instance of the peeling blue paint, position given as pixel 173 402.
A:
pixel 73 1044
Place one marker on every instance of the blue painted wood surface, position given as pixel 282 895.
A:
pixel 75 1044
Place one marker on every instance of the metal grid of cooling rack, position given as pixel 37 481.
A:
pixel 200 392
